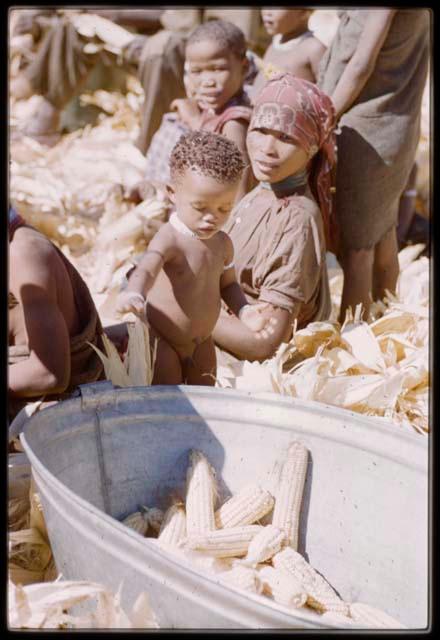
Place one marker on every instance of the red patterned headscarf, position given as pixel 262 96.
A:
pixel 299 109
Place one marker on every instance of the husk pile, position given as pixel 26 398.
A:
pixel 379 369
pixel 37 597
pixel 47 606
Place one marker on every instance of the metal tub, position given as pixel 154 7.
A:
pixel 364 522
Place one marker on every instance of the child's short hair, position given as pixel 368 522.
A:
pixel 222 32
pixel 209 154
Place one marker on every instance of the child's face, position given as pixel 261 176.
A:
pixel 214 73
pixel 274 155
pixel 203 203
pixel 284 21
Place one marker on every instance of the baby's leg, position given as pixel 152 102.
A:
pixel 167 368
pixel 202 367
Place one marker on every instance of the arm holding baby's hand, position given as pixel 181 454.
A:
pixel 251 315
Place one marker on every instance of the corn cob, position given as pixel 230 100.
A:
pixel 245 507
pixel 138 522
pixel 265 544
pixel 243 578
pixel 200 495
pixel 284 588
pixel 154 518
pixel 373 618
pixel 173 528
pixel 205 562
pixel 289 493
pixel 224 543
pixel 320 595
pixel 336 618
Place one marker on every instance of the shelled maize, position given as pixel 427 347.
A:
pixel 264 545
pixel 244 578
pixel 245 507
pixel 224 543
pixel 231 545
pixel 320 595
pixel 200 495
pixel 289 493
pixel 284 588
pixel 173 529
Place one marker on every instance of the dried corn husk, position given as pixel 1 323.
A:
pixel 43 606
pixel 308 340
pixel 140 360
pixel 139 366
pixel 90 25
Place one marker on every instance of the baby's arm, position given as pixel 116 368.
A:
pixel 236 130
pixel 159 252
pixel 363 61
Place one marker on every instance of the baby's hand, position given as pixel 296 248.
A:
pixel 252 316
pixel 131 302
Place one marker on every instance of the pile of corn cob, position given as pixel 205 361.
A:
pixel 232 543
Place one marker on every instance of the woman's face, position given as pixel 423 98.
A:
pixel 214 74
pixel 274 155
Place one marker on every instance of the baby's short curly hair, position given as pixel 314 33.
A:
pixel 224 33
pixel 209 154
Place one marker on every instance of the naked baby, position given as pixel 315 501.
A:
pixel 188 267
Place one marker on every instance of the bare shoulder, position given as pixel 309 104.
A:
pixel 226 246
pixel 236 131
pixel 164 245
pixel 165 236
pixel 225 240
pixel 31 252
pixel 314 46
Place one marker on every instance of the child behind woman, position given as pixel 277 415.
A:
pixel 294 48
pixel 215 69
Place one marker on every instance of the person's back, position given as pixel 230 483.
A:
pixel 51 317
pixel 46 262
pixel 294 48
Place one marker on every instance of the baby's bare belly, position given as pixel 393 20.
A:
pixel 185 322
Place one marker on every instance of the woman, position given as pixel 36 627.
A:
pixel 375 72
pixel 278 229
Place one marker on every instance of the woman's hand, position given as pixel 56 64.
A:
pixel 252 315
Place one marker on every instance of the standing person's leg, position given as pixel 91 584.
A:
pixel 161 76
pixel 357 266
pixel 407 206
pixel 386 265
